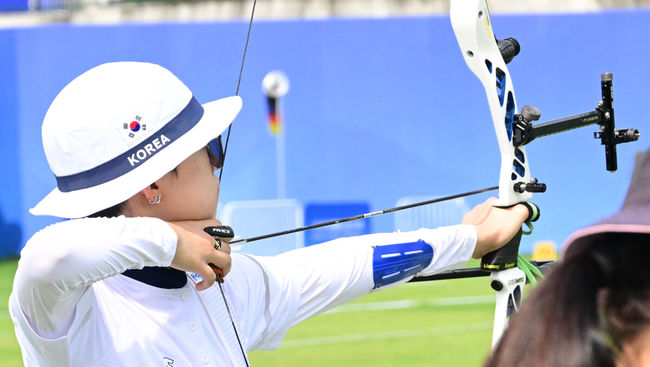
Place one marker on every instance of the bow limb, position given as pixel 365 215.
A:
pixel 473 28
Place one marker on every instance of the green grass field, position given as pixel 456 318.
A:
pixel 9 350
pixel 441 323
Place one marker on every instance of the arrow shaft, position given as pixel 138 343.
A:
pixel 363 216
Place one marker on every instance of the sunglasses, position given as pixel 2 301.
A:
pixel 215 152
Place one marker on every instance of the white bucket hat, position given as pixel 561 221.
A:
pixel 119 127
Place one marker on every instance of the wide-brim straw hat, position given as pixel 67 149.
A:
pixel 634 215
pixel 118 128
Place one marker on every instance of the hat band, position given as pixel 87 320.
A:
pixel 137 155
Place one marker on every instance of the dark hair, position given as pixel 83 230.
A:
pixel 114 211
pixel 593 302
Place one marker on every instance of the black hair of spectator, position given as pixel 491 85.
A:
pixel 592 303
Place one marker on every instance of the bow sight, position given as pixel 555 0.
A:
pixel 524 131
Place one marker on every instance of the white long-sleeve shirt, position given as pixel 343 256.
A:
pixel 71 305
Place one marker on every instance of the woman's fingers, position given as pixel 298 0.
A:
pixel 479 213
pixel 225 247
pixel 220 259
pixel 208 276
pixel 195 251
pixel 494 226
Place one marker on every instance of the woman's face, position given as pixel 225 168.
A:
pixel 191 192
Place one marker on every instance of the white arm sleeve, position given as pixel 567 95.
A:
pixel 60 261
pixel 281 291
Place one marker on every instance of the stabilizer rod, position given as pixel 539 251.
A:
pixel 544 266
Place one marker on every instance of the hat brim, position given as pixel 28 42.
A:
pixel 631 219
pixel 217 116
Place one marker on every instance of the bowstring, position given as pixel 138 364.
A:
pixel 241 71
pixel 225 149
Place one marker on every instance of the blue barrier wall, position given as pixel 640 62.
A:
pixel 316 213
pixel 378 108
pixel 14 5
pixel 11 208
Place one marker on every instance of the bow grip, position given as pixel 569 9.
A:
pixel 506 257
pixel 503 258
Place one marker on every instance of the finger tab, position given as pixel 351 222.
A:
pixel 225 232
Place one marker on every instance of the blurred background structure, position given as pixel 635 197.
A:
pixel 24 12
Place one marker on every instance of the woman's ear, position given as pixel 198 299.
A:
pixel 141 203
pixel 150 192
